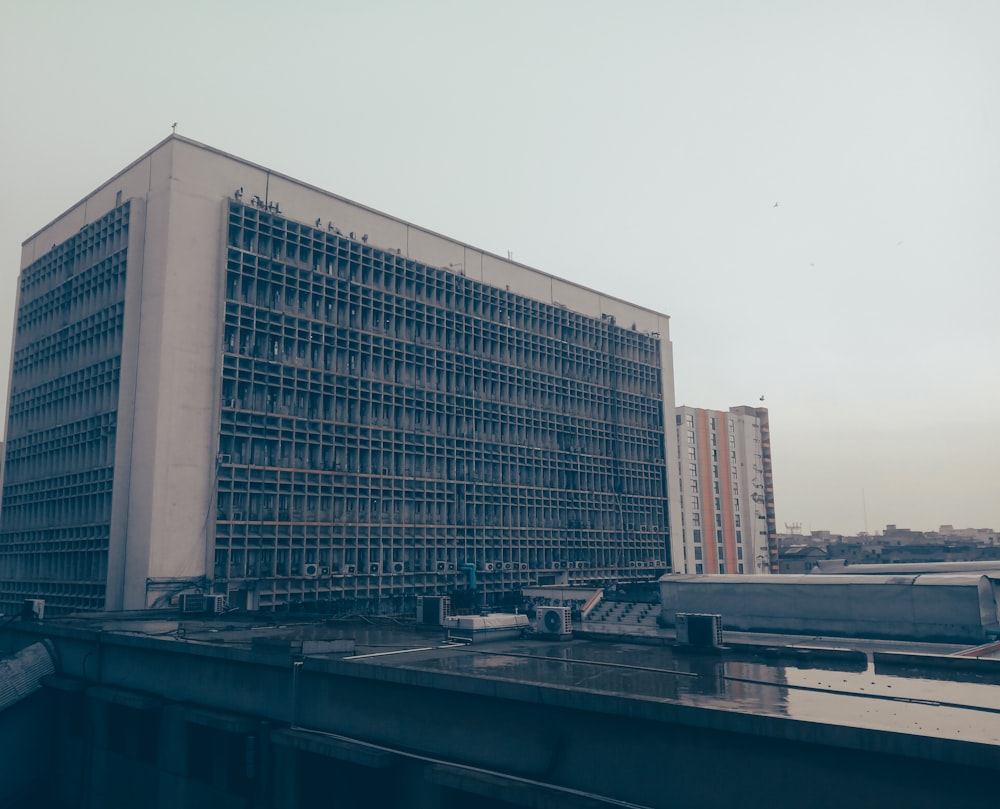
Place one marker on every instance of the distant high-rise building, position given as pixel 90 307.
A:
pixel 225 380
pixel 727 492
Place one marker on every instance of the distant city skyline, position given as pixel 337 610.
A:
pixel 810 192
pixel 792 529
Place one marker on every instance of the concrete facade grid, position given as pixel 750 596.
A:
pixel 62 420
pixel 384 423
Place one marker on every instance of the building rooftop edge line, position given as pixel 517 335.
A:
pixel 272 172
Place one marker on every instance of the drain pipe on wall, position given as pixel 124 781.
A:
pixel 292 709
pixel 471 569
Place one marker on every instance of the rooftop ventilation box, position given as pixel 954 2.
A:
pixel 554 622
pixel 701 630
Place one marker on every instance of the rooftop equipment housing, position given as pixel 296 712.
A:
pixel 480 628
pixel 433 610
pixel 702 630
pixel 554 621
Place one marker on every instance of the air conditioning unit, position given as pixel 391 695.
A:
pixel 324 570
pixel 397 567
pixel 374 568
pixel 433 610
pixel 215 604
pixel 507 566
pixel 451 566
pixel 191 602
pixel 524 565
pixel 581 564
pixel 348 570
pixel 441 567
pixel 488 567
pixel 699 629
pixel 554 621
pixel 310 570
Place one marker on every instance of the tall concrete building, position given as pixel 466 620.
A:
pixel 225 380
pixel 727 492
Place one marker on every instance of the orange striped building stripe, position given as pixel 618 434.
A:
pixel 725 494
pixel 704 448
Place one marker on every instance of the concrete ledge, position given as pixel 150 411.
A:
pixel 217 720
pixel 129 699
pixel 368 698
pixel 342 749
pixel 70 685
pixel 516 790
pixel 651 709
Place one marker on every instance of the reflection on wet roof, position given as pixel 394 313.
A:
pixel 838 695
pixel 829 681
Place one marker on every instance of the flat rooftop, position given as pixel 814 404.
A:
pixel 922 690
pixel 816 688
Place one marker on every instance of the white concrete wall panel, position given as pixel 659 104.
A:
pixel 145 468
pixel 434 250
pixel 214 173
pixel 125 427
pixel 133 181
pixel 674 493
pixel 952 608
pixel 501 273
pixel 185 400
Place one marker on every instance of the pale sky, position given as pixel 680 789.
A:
pixel 639 148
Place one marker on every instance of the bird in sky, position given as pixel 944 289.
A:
pixel 776 205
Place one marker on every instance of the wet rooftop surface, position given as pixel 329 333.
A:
pixel 757 675
pixel 832 694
